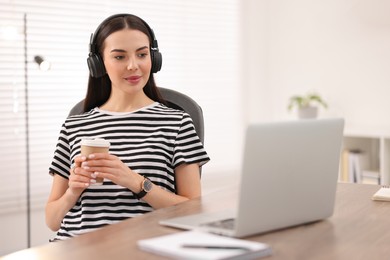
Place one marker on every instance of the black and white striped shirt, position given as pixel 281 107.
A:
pixel 152 141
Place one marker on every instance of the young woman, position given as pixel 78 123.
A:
pixel 155 153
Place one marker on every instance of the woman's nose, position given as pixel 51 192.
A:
pixel 132 64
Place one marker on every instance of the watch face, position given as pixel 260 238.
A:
pixel 148 185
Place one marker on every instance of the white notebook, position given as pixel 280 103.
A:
pixel 382 194
pixel 201 245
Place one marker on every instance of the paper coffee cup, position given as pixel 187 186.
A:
pixel 97 145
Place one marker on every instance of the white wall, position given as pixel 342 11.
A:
pixel 339 48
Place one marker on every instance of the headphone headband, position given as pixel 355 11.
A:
pixel 95 62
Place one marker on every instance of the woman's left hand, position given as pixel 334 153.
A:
pixel 110 167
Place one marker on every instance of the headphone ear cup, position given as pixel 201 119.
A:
pixel 96 65
pixel 156 61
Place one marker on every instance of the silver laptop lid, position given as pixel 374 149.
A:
pixel 290 172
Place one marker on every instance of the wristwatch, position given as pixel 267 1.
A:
pixel 146 186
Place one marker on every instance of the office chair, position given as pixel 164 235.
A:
pixel 174 99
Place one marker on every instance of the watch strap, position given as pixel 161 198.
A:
pixel 141 194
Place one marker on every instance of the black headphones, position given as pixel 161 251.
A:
pixel 95 61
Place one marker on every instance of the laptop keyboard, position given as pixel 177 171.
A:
pixel 225 224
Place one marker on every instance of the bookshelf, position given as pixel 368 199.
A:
pixel 371 151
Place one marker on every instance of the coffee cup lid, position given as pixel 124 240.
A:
pixel 99 142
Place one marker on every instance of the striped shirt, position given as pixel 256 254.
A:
pixel 151 141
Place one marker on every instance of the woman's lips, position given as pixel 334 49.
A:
pixel 133 79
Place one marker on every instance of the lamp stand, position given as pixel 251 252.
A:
pixel 27 133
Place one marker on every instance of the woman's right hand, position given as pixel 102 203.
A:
pixel 79 178
pixel 65 193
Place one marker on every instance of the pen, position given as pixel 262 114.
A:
pixel 215 247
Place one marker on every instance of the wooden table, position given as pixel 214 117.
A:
pixel 359 229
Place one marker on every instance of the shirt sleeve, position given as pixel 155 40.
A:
pixel 188 147
pixel 61 160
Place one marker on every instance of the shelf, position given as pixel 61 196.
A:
pixel 373 149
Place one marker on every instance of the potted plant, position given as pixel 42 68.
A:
pixel 307 105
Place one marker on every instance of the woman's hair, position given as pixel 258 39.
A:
pixel 99 89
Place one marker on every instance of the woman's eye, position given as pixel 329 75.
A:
pixel 119 57
pixel 142 55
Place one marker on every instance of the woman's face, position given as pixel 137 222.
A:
pixel 127 60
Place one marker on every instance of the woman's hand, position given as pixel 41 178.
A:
pixel 79 178
pixel 110 167
pixel 65 193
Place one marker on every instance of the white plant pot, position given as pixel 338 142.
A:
pixel 307 112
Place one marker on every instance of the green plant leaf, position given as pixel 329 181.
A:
pixel 311 99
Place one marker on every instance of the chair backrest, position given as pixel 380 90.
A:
pixel 174 99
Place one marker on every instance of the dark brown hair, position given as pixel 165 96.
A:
pixel 99 89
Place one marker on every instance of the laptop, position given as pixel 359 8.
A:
pixel 289 177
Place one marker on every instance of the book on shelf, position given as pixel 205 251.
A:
pixel 201 245
pixel 371 177
pixel 344 171
pixel 353 168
